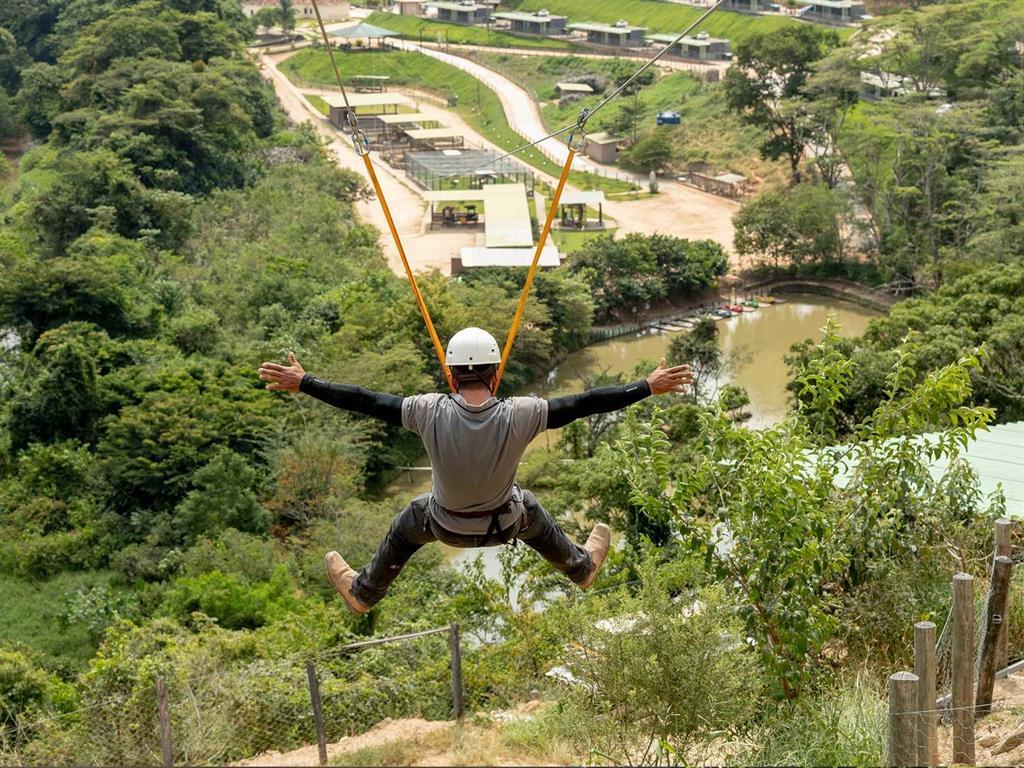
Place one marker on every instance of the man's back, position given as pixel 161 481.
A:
pixel 474 449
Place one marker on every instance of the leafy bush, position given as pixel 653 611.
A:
pixel 27 692
pixel 659 677
pixel 229 599
pixel 788 526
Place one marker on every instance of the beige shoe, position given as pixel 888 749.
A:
pixel 597 545
pixel 341 575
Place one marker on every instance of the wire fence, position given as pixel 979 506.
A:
pixel 203 714
pixel 955 675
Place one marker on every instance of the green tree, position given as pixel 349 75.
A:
pixel 651 153
pixel 60 402
pixel 799 226
pixel 266 18
pixel 222 497
pixel 286 15
pixel 768 511
pixel 38 100
pixel 767 84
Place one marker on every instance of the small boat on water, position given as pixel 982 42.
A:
pixel 719 314
pixel 766 299
pixel 736 309
pixel 749 304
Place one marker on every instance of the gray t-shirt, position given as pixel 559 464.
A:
pixel 474 451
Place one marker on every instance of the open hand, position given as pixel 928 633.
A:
pixel 675 379
pixel 282 377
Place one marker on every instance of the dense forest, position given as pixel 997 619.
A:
pixel 162 515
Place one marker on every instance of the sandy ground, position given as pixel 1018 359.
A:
pixel 424 742
pixel 384 732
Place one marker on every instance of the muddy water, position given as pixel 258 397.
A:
pixel 757 341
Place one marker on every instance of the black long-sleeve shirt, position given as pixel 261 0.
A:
pixel 561 410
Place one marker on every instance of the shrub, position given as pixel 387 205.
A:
pixel 230 600
pixel 660 678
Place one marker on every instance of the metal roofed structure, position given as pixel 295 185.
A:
pixel 455 168
pixel 998 457
pixel 573 88
pixel 363 31
pixel 700 46
pixel 507 217
pixel 540 23
pixel 618 35
pixel 373 104
pixel 407 118
pixel 470 258
pixel 435 138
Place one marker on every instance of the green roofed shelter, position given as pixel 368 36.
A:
pixel 363 31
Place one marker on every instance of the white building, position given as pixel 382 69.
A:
pixel 330 10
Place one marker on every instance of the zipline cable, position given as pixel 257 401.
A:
pixel 360 143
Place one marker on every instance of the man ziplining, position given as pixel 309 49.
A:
pixel 475 442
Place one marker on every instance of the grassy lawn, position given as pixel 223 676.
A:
pixel 662 17
pixel 709 132
pixel 317 102
pixel 411 27
pixel 570 241
pixel 29 616
pixel 477 104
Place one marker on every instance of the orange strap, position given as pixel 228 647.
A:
pixel 533 269
pixel 408 270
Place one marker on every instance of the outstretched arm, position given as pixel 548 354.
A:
pixel 564 410
pixel 293 378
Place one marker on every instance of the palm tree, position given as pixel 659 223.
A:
pixel 287 15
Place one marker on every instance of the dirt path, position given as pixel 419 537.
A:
pixel 385 732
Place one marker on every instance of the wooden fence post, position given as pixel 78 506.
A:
pixel 164 716
pixel 927 717
pixel 1004 548
pixel 962 619
pixel 902 720
pixel 1002 570
pixel 318 714
pixel 453 642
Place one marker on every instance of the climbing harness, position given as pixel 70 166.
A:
pixel 577 133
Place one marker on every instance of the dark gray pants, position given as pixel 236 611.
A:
pixel 412 528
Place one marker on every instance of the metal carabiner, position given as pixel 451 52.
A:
pixel 578 132
pixel 359 140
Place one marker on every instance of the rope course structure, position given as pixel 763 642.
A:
pixel 577 133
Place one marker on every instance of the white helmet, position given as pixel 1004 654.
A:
pixel 473 346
